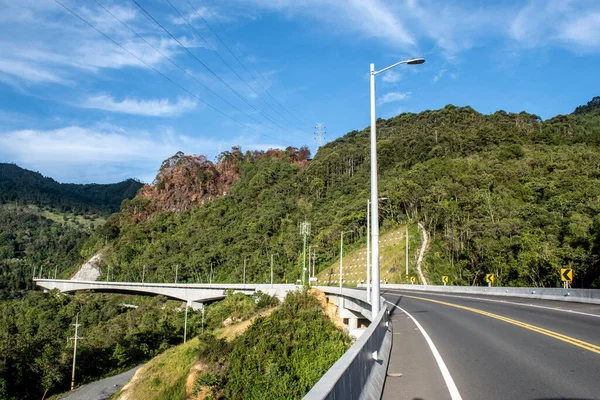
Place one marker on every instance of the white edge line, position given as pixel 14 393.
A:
pixel 454 394
pixel 499 301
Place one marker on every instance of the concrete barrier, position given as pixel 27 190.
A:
pixel 591 296
pixel 360 373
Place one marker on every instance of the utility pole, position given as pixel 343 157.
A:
pixel 41 270
pixel 185 323
pixel 309 263
pixel 407 250
pixel 211 274
pixel 314 262
pixel 33 277
pixel 75 338
pixel 305 231
pixel 245 270
pixel 143 273
pixel 271 270
pixel 320 132
pixel 176 270
pixel 107 272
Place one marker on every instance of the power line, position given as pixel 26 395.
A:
pixel 225 62
pixel 160 73
pixel 202 63
pixel 257 72
pixel 179 67
pixel 234 56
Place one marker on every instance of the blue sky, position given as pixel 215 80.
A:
pixel 77 107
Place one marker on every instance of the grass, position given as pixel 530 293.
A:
pixel 163 377
pixel 392 245
pixel 69 218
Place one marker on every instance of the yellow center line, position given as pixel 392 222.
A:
pixel 567 339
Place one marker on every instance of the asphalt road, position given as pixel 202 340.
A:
pixel 494 349
pixel 102 389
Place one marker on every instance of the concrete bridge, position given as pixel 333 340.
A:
pixel 194 294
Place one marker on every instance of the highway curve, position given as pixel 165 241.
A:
pixel 495 349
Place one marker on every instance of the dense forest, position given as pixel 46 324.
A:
pixel 504 193
pixel 18 185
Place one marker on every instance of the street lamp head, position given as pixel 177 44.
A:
pixel 416 61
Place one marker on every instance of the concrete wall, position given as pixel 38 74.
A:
pixel 570 295
pixel 360 373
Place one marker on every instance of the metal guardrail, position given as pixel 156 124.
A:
pixel 591 296
pixel 360 373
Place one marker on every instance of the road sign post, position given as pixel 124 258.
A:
pixel 489 278
pixel 445 279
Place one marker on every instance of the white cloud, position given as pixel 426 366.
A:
pixel 47 44
pixel 573 24
pixel 584 31
pixel 393 97
pixel 438 76
pixel 373 18
pixel 392 76
pixel 153 108
pixel 106 153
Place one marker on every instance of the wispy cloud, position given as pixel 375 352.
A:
pixel 152 108
pixel 573 24
pixel 392 97
pixel 374 18
pixel 392 76
pixel 49 45
pixel 438 76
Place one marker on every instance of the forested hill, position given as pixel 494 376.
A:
pixel 28 187
pixel 503 193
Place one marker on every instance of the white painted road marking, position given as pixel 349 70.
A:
pixel 454 394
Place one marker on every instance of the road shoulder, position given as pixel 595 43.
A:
pixel 412 358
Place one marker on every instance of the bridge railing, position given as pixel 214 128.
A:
pixel 591 296
pixel 360 373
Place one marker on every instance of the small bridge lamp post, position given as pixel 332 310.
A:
pixel 374 190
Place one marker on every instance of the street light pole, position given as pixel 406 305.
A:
pixel 374 190
pixel 342 255
pixel 368 250
pixel 374 205
pixel 341 258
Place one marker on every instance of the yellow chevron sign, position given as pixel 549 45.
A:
pixel 445 279
pixel 489 278
pixel 566 274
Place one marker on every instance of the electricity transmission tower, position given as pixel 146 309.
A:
pixel 320 132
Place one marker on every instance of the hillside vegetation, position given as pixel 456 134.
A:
pixel 504 193
pixel 18 185
pixel 43 224
pixel 279 356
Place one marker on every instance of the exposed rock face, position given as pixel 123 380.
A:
pixel 90 271
pixel 186 180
